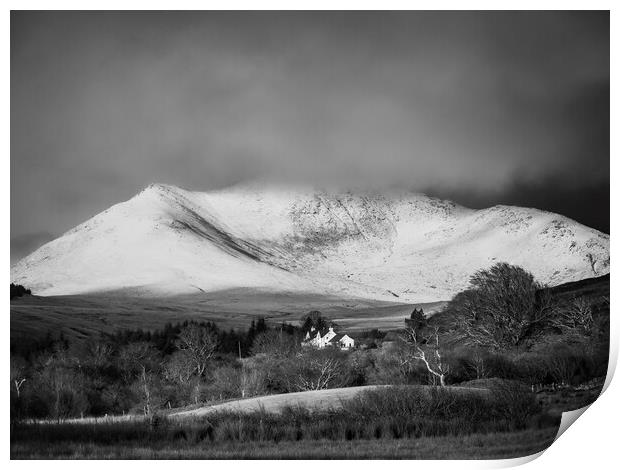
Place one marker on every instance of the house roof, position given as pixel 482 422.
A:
pixel 339 337
pixel 336 338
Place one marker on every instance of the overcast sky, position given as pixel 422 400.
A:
pixel 485 108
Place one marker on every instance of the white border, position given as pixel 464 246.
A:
pixel 591 443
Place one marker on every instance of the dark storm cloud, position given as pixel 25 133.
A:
pixel 484 105
pixel 587 202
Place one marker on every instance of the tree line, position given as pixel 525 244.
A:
pixel 17 290
pixel 141 371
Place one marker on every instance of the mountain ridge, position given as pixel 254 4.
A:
pixel 397 244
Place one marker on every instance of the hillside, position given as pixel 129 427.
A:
pixel 80 317
pixel 399 246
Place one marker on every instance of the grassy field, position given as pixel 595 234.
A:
pixel 80 317
pixel 313 400
pixel 331 398
pixel 475 446
pixel 394 422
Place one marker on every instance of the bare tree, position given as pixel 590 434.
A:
pixel 58 374
pixel 138 361
pixel 477 363
pixel 146 390
pixel 561 367
pixel 18 385
pixel 18 374
pixel 577 315
pixel 315 370
pixel 427 349
pixel 178 368
pixel 392 363
pixel 19 369
pixel 200 343
pixel 251 381
pixel 400 354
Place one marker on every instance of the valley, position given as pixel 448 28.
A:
pixel 79 317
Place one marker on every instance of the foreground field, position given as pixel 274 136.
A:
pixel 475 446
pixel 80 317
pixel 312 400
pixel 332 398
pixel 393 422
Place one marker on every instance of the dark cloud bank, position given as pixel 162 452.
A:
pixel 486 108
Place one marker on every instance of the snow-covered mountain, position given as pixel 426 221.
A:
pixel 396 246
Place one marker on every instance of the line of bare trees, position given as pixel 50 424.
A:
pixel 100 376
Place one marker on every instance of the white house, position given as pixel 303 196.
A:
pixel 346 342
pixel 330 338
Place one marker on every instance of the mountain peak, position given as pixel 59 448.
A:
pixel 159 188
